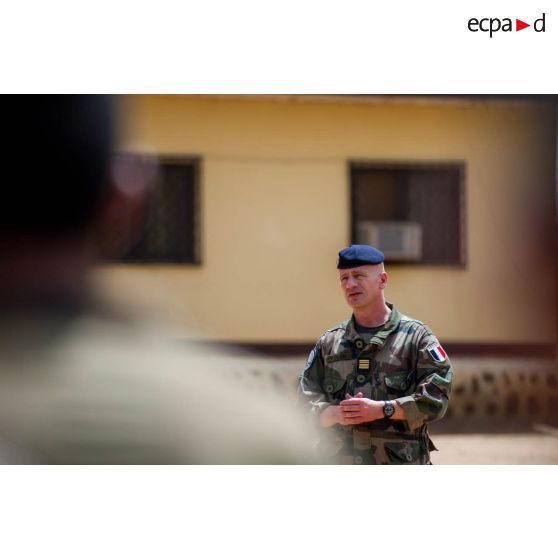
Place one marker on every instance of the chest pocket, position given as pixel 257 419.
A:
pixel 334 386
pixel 340 364
pixel 399 382
pixel 337 369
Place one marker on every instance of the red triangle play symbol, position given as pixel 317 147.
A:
pixel 519 25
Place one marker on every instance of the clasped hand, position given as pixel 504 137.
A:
pixel 359 409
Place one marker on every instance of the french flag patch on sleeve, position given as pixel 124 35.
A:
pixel 437 353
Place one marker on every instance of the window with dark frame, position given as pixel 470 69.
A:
pixel 170 232
pixel 413 212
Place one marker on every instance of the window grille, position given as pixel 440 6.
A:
pixel 170 232
pixel 410 203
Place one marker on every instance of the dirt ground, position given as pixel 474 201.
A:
pixel 495 449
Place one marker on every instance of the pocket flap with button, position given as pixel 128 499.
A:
pixel 398 381
pixel 406 451
pixel 333 383
pixel 343 355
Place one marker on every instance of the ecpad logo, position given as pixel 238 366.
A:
pixel 493 25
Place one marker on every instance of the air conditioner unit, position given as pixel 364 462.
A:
pixel 398 240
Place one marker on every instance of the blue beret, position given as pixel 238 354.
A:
pixel 359 254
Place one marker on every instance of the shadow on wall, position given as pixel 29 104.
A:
pixel 489 394
pixel 502 395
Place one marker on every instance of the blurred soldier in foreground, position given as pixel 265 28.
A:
pixel 374 381
pixel 77 383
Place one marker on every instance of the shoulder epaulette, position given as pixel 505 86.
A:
pixel 342 325
pixel 410 321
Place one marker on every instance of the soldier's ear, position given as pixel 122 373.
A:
pixel 383 279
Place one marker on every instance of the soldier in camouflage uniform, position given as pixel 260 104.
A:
pixel 374 381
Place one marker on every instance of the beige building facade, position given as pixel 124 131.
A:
pixel 275 208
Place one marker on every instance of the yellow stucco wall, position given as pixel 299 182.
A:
pixel 275 210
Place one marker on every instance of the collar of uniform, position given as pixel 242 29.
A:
pixel 379 338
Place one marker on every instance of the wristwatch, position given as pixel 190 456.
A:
pixel 389 409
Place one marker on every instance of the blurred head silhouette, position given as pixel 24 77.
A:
pixel 66 197
pixel 79 384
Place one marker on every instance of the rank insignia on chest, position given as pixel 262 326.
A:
pixel 363 364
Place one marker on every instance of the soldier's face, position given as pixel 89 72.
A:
pixel 362 286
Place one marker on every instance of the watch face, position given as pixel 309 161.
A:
pixel 389 409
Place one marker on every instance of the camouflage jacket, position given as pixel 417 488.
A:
pixel 404 362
